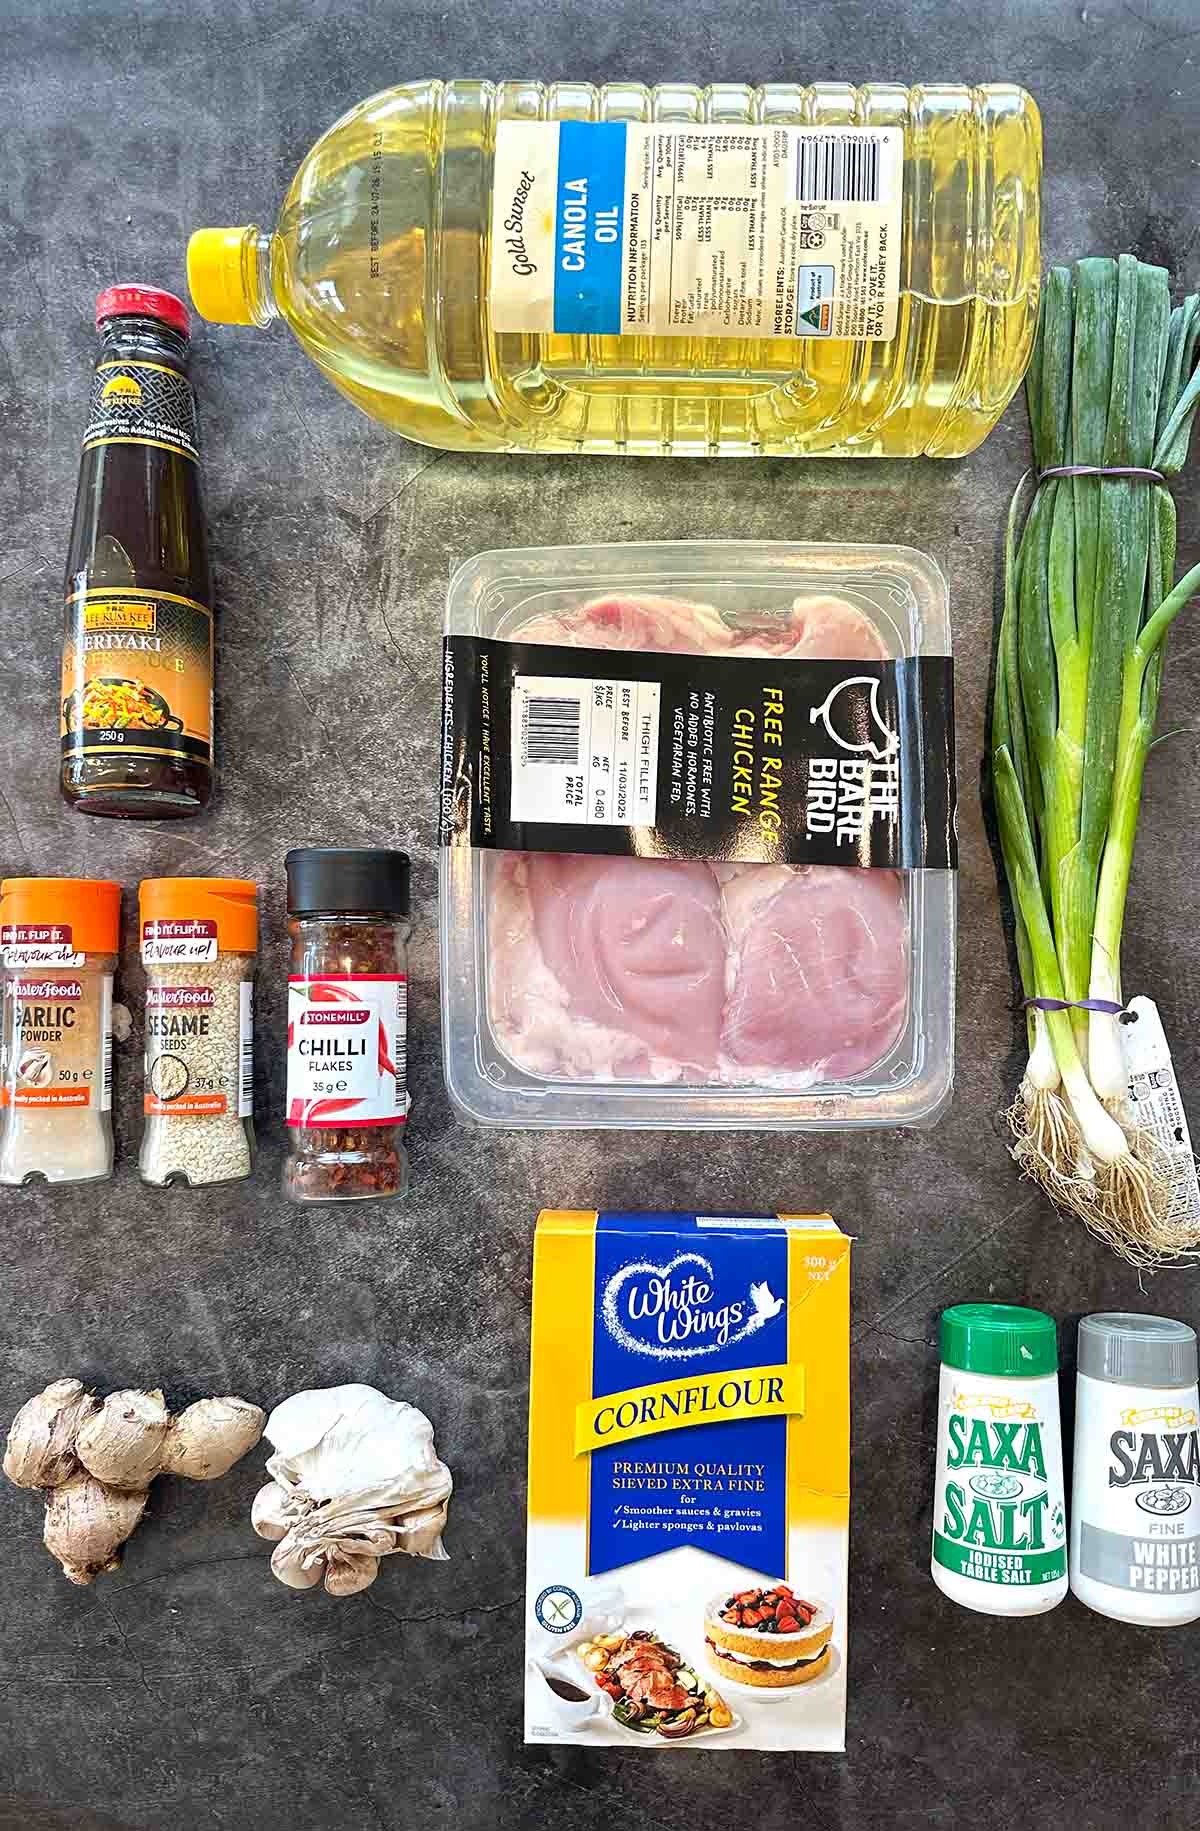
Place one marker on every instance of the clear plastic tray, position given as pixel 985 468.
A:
pixel 497 594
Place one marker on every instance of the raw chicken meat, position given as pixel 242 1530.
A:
pixel 617 968
pixel 820 626
pixel 816 969
pixel 671 626
pixel 641 946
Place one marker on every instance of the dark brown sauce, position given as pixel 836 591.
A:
pixel 139 527
pixel 563 1688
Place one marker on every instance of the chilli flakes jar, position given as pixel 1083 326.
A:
pixel 347 1101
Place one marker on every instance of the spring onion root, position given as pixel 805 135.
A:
pixel 1089 598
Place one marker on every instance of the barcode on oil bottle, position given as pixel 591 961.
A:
pixel 551 731
pixel 831 169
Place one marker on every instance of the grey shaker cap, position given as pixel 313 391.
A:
pixel 1134 1350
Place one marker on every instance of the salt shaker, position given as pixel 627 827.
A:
pixel 1135 1527
pixel 999 1511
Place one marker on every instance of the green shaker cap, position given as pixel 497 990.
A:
pixel 1002 1338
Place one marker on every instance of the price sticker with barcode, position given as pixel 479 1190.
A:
pixel 585 752
pixel 1155 1103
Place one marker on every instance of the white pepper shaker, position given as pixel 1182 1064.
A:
pixel 1135 1525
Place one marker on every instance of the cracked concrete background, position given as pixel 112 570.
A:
pixel 191 1690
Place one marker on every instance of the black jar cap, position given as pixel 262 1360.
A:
pixel 341 880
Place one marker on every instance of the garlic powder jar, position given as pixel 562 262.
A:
pixel 1135 1528
pixel 999 1510
pixel 59 938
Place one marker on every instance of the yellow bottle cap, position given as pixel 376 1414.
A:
pixel 215 275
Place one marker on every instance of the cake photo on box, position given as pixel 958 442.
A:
pixel 767 1637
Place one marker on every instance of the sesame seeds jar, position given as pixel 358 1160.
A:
pixel 199 948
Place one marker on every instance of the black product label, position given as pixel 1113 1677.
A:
pixel 550 749
pixel 143 403
pixel 137 675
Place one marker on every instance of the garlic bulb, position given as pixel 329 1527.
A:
pixel 348 1572
pixel 273 1512
pixel 355 1477
pixel 295 1572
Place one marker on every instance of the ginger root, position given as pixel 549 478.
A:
pixel 87 1522
pixel 41 1443
pixel 122 1443
pixel 96 1461
pixel 206 1440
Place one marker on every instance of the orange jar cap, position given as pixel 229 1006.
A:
pixel 85 912
pixel 220 909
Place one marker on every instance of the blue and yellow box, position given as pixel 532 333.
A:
pixel 689 1449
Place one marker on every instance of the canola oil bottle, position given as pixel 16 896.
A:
pixel 782 271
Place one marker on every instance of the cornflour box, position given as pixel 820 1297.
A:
pixel 689 1471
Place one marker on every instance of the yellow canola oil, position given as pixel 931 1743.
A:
pixel 384 263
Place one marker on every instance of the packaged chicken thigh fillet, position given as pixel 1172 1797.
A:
pixel 698 858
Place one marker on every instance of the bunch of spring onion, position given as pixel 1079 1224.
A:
pixel 1089 597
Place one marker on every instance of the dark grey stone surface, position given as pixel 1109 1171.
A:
pixel 190 1689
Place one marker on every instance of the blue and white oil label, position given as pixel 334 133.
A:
pixel 611 228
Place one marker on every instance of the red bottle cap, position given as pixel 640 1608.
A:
pixel 143 302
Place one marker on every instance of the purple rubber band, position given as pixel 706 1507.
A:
pixel 1075 1004
pixel 1101 470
